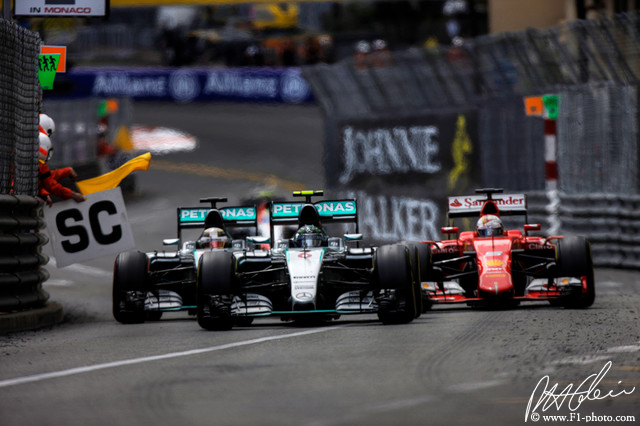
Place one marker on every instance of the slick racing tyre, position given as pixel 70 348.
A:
pixel 421 268
pixel 397 295
pixel 422 271
pixel 573 257
pixel 129 287
pixel 214 287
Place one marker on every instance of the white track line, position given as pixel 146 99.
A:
pixel 90 368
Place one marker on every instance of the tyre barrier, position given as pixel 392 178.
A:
pixel 21 257
pixel 611 222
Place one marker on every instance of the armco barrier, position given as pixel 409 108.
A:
pixel 610 222
pixel 21 257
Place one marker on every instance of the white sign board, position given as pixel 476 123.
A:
pixel 474 203
pixel 93 228
pixel 60 7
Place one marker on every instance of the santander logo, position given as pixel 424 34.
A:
pixel 305 255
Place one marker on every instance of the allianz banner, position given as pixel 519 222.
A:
pixel 285 85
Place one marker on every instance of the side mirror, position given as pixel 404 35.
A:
pixel 447 230
pixel 170 242
pixel 531 227
pixel 258 240
pixel 352 237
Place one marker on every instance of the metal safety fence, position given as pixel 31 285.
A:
pixel 480 69
pixel 592 66
pixel 21 257
pixel 19 103
pixel 80 122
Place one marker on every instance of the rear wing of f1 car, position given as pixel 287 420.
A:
pixel 232 216
pixel 330 211
pixel 486 201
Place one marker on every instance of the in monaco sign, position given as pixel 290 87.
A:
pixel 61 7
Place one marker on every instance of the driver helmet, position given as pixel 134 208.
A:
pixel 379 44
pixel 489 225
pixel 363 47
pixel 45 147
pixel 212 238
pixel 47 125
pixel 310 236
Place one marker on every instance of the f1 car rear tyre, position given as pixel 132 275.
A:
pixel 214 286
pixel 573 257
pixel 393 271
pixel 129 282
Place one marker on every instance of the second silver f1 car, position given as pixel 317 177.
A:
pixel 147 284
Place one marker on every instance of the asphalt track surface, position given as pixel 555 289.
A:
pixel 450 366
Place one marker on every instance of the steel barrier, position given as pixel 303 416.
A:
pixel 21 218
pixel 611 222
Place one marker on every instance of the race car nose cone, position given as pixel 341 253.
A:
pixel 495 285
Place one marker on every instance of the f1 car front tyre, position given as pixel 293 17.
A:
pixel 422 270
pixel 129 287
pixel 214 287
pixel 421 267
pixel 397 295
pixel 573 257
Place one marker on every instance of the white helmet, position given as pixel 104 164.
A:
pixel 379 44
pixel 489 225
pixel 45 146
pixel 212 238
pixel 363 46
pixel 47 125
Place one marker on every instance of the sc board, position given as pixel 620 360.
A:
pixel 97 227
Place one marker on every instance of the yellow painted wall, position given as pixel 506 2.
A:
pixel 516 15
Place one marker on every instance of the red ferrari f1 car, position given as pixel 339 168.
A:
pixel 498 267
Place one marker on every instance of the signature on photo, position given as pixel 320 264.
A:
pixel 546 396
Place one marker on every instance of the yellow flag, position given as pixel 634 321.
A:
pixel 113 178
pixel 123 139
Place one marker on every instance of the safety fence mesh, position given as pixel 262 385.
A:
pixel 19 105
pixel 593 65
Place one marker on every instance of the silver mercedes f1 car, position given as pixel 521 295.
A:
pixel 145 285
pixel 309 276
